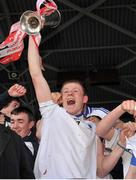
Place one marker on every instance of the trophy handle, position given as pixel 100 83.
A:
pixel 53 20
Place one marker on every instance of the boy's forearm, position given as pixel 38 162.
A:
pixel 42 89
pixel 33 58
pixel 108 121
pixel 111 160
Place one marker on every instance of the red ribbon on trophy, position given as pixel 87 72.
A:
pixel 11 49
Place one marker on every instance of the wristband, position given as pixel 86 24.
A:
pixel 127 150
pixel 121 146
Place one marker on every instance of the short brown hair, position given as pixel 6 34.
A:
pixel 75 81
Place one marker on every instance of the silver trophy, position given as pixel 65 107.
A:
pixel 31 22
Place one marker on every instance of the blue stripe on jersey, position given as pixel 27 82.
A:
pixel 102 109
pixel 88 111
pixel 133 161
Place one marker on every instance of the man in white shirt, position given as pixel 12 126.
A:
pixel 68 147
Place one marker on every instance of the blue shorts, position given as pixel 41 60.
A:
pixel 133 160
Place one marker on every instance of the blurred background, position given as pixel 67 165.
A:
pixel 95 42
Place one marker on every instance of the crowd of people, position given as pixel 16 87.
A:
pixel 71 140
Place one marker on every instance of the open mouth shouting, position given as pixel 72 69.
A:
pixel 70 102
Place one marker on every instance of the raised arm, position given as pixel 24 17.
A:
pixel 110 119
pixel 41 86
pixel 105 163
pixel 17 90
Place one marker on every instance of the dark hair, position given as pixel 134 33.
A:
pixel 7 102
pixel 75 81
pixel 24 109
